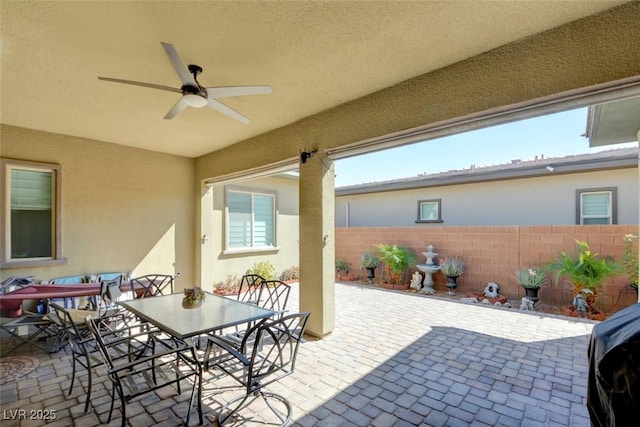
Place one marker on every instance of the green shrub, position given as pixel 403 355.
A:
pixel 264 269
pixel 396 260
pixel 342 266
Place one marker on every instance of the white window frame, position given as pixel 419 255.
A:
pixel 612 213
pixel 252 192
pixel 6 261
pixel 438 203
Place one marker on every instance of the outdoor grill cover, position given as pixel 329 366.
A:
pixel 613 393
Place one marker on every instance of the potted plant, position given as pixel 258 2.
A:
pixel 193 297
pixel 342 268
pixel 369 262
pixel 531 279
pixel 586 270
pixel 396 260
pixel 452 268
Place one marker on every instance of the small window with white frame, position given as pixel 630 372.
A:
pixel 31 213
pixel 596 206
pixel 251 219
pixel 429 211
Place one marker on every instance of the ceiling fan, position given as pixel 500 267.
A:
pixel 193 94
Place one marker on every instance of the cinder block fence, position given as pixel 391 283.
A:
pixel 494 253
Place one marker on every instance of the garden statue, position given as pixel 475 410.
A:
pixel 581 305
pixel 527 304
pixel 491 291
pixel 416 281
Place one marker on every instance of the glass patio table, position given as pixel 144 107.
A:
pixel 216 313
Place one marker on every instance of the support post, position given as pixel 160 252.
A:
pixel 317 243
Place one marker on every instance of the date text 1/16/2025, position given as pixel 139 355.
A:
pixel 29 414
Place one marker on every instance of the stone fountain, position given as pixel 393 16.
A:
pixel 428 269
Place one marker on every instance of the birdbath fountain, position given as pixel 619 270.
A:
pixel 428 269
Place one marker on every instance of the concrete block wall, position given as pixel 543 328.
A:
pixel 495 253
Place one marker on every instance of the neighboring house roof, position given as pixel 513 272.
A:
pixel 604 160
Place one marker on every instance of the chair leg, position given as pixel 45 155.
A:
pixel 242 399
pixel 88 399
pixel 73 371
pixel 284 418
pixel 283 415
pixel 113 400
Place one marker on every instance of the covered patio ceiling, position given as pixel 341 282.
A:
pixel 315 56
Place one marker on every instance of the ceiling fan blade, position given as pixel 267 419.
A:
pixel 227 91
pixel 185 76
pixel 130 82
pixel 220 107
pixel 176 109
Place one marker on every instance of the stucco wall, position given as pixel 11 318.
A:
pixel 526 201
pixel 123 209
pixel 495 253
pixel 216 265
pixel 590 51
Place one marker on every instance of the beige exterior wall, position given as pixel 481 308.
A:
pixel 123 209
pixel 526 201
pixel 216 265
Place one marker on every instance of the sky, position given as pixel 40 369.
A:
pixel 554 135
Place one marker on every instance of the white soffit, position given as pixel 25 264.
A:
pixel 614 122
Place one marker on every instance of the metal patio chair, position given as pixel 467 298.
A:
pixel 152 285
pixel 272 295
pixel 268 354
pixel 140 373
pixel 82 346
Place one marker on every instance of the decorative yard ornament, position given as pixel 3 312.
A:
pixel 416 281
pixel 580 303
pixel 526 304
pixel 491 291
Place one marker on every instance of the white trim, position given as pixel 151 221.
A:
pixel 282 166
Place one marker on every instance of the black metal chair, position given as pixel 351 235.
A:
pixel 152 285
pixel 274 295
pixel 145 372
pixel 268 353
pixel 84 351
pixel 250 288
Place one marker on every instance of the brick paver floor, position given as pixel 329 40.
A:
pixel 394 359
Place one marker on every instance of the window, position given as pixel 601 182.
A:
pixel 596 206
pixel 251 219
pixel 429 211
pixel 31 213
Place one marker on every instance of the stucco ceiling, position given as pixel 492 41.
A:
pixel 315 55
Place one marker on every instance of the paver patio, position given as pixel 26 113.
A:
pixel 394 359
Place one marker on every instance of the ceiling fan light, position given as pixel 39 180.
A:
pixel 193 100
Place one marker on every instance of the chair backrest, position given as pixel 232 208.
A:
pixel 274 295
pixel 71 302
pixel 110 293
pixel 102 347
pixel 274 349
pixel 250 288
pixel 110 276
pixel 152 285
pixel 76 333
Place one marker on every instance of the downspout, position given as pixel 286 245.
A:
pixel 638 240
pixel 347 223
